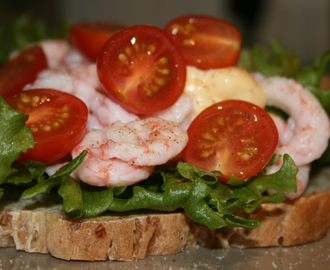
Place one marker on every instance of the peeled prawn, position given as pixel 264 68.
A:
pixel 180 112
pixel 55 51
pixel 311 123
pixel 108 112
pixel 306 133
pixel 286 133
pixel 127 153
pixel 151 141
pixel 111 172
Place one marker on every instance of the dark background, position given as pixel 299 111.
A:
pixel 302 25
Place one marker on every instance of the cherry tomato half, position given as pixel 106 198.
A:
pixel 89 37
pixel 21 70
pixel 141 69
pixel 231 137
pixel 206 42
pixel 57 120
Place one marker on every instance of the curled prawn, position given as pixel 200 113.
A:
pixel 55 51
pixel 127 153
pixel 286 133
pixel 180 112
pixel 306 133
pixel 311 123
pixel 107 111
pixel 111 172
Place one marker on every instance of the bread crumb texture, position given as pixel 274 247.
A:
pixel 31 227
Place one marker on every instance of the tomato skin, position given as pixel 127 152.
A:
pixel 21 70
pixel 141 69
pixel 206 42
pixel 89 37
pixel 231 137
pixel 57 120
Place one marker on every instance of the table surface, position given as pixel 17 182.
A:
pixel 315 255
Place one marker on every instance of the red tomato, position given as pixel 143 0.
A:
pixel 56 119
pixel 21 70
pixel 141 69
pixel 232 137
pixel 89 37
pixel 206 42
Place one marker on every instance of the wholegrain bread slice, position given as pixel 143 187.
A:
pixel 33 227
pixel 285 224
pixel 41 226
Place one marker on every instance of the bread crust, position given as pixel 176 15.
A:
pixel 32 227
pixel 288 223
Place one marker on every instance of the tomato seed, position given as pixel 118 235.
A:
pixel 206 153
pixel 64 115
pixel 189 42
pixel 25 98
pixel 65 109
pixel 44 99
pixel 35 100
pixel 164 71
pixel 220 121
pixel 208 136
pixel 128 51
pixel 151 48
pixel 162 61
pixel 251 150
pixel 55 124
pixel 135 45
pixel 160 81
pixel 244 156
pixel 122 57
pixel 34 129
pixel 46 128
pixel 246 141
pixel 204 145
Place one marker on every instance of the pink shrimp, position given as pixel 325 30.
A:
pixel 127 153
pixel 306 133
pixel 55 51
pixel 180 112
pixel 311 123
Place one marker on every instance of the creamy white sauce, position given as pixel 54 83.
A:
pixel 215 85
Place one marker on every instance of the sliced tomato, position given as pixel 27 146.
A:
pixel 21 70
pixel 57 120
pixel 89 37
pixel 141 69
pixel 206 42
pixel 231 138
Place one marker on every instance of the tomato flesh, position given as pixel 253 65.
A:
pixel 21 70
pixel 141 69
pixel 57 120
pixel 89 37
pixel 206 42
pixel 231 137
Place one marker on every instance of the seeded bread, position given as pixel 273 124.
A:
pixel 32 227
pixel 285 224
pixel 41 226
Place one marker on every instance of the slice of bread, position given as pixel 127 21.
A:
pixel 285 224
pixel 34 227
pixel 41 226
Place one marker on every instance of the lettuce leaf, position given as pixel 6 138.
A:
pixel 15 138
pixel 207 201
pixel 274 60
pixel 277 61
pixel 197 192
pixel 16 33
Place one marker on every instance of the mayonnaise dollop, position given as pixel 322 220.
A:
pixel 215 85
